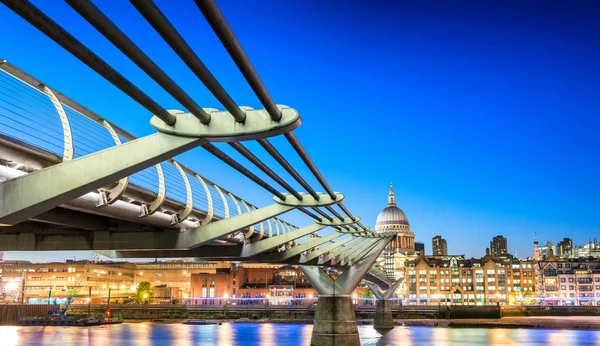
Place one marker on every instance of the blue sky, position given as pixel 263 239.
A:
pixel 483 114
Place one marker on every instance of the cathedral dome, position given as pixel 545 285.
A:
pixel 392 217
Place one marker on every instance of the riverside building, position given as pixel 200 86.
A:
pixel 565 281
pixel 36 282
pixel 445 280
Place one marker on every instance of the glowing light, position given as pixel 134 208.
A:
pixel 145 295
pixel 226 295
pixel 119 274
pixel 12 285
pixel 184 273
pixel 88 299
pixel 133 287
pixel 310 296
pixel 141 273
pixel 103 285
pixel 185 295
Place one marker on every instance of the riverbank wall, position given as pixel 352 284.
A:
pixel 10 314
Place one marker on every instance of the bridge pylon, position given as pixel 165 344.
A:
pixel 335 319
pixel 383 312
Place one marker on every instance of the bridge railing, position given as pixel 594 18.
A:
pixel 28 115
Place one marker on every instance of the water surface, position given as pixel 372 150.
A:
pixel 234 334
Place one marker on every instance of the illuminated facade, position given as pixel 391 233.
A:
pixel 212 283
pixel 569 281
pixel 81 280
pixel 439 280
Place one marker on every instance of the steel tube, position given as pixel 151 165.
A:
pixel 235 165
pixel 167 31
pixel 39 20
pixel 108 29
pixel 309 214
pixel 217 21
pixel 283 162
pixel 320 212
pixel 308 162
pixel 240 148
pixel 345 210
pixel 331 210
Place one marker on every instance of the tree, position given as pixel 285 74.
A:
pixel 72 293
pixel 367 294
pixel 143 292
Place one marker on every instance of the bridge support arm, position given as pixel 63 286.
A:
pixel 318 252
pixel 273 242
pixel 383 312
pixel 341 250
pixel 32 194
pixel 311 244
pixel 335 319
pixel 217 229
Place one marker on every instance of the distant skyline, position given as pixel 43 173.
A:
pixel 484 115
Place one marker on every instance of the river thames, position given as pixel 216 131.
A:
pixel 229 334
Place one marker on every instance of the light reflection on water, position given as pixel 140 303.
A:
pixel 234 334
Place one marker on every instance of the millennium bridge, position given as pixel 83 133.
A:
pixel 72 180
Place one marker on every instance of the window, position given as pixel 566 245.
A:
pixel 563 280
pixel 560 265
pixel 563 287
pixel 549 272
pixel 570 279
pixel 491 272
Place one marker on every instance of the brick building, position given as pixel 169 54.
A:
pixel 454 280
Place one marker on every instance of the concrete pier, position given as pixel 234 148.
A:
pixel 335 322
pixel 383 315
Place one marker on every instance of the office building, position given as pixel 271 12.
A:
pixel 419 249
pixel 439 246
pixel 498 247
